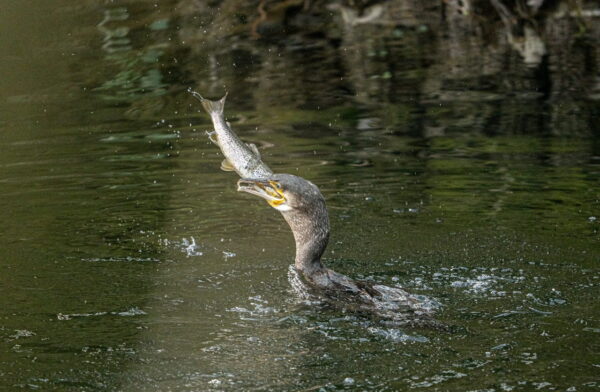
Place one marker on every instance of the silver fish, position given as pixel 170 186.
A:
pixel 243 158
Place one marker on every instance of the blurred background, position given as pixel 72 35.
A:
pixel 456 142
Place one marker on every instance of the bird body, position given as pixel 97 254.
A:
pixel 303 208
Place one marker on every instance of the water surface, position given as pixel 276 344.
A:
pixel 130 262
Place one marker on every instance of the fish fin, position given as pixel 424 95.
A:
pixel 212 136
pixel 227 166
pixel 208 105
pixel 254 149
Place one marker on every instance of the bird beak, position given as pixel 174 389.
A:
pixel 266 189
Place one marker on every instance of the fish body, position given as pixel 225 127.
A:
pixel 240 157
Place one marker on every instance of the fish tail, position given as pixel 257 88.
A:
pixel 208 105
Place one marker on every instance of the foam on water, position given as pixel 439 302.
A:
pixel 397 335
pixel 259 309
pixel 131 312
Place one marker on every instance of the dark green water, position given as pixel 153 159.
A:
pixel 128 261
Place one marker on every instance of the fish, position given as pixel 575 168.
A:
pixel 243 158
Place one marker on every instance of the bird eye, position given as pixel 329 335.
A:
pixel 276 185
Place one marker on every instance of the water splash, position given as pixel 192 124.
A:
pixel 228 255
pixel 190 247
pixel 22 333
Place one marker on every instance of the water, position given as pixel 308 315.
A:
pixel 130 262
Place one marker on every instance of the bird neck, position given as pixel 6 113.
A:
pixel 311 233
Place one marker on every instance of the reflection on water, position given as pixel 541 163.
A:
pixel 137 74
pixel 456 144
